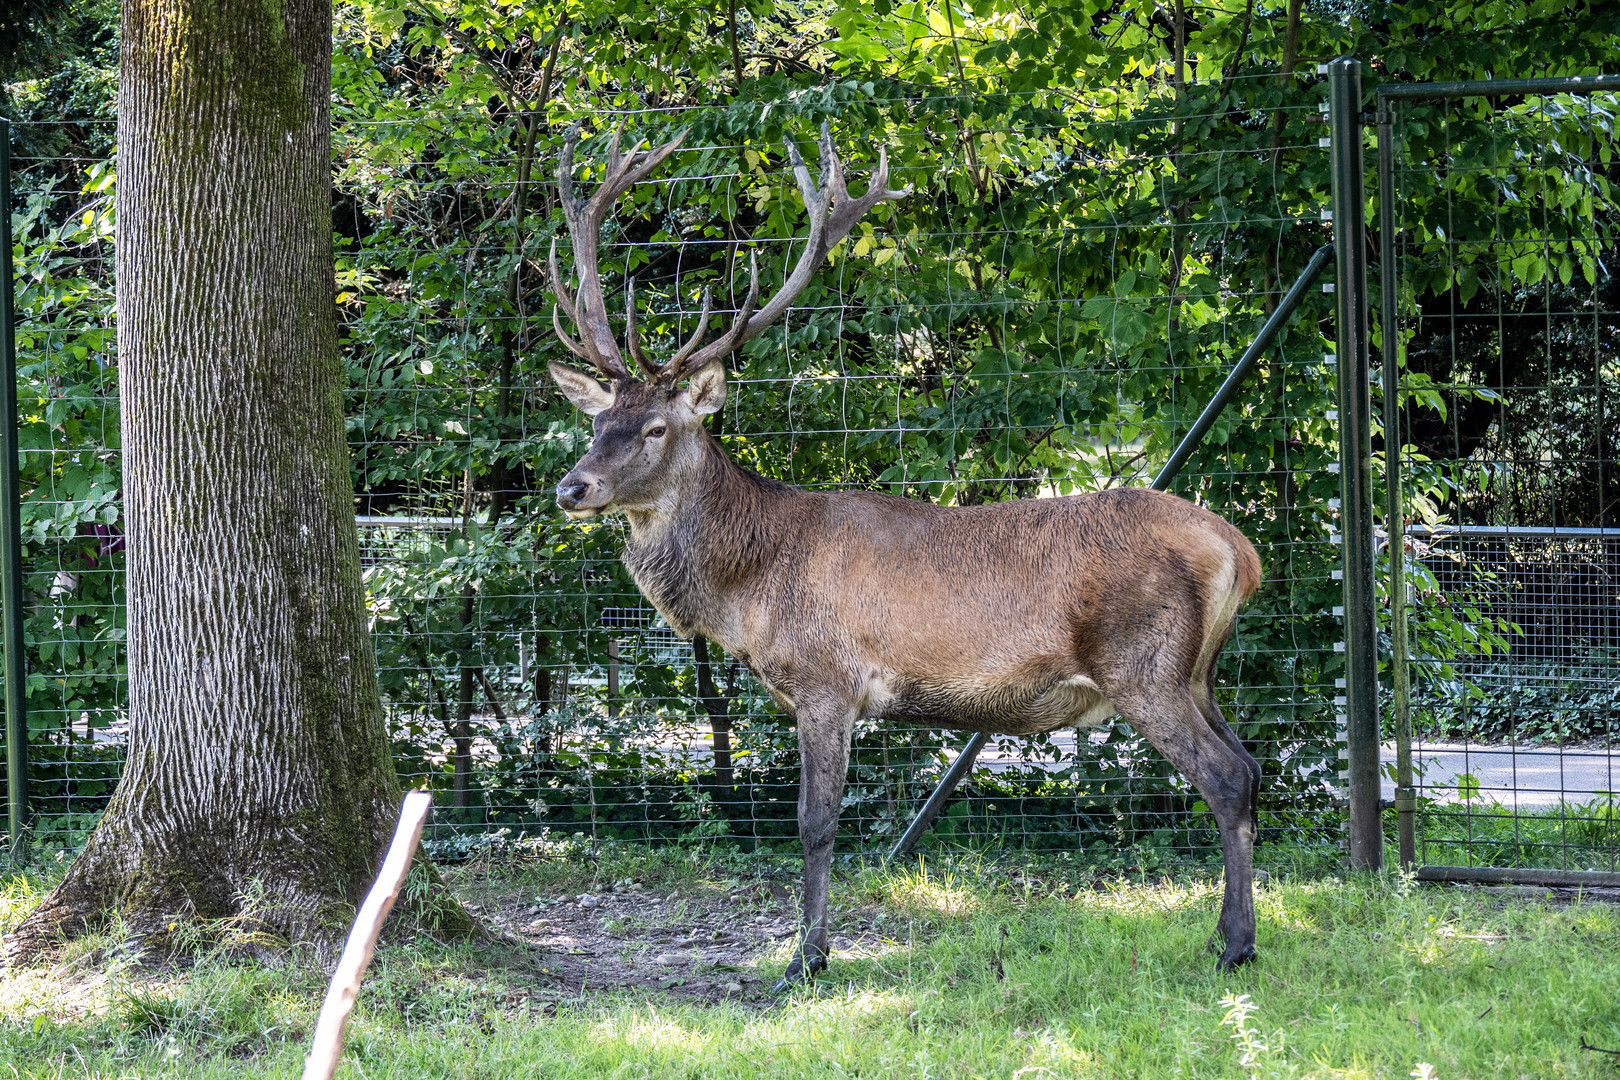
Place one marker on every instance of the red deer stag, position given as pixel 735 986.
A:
pixel 1017 617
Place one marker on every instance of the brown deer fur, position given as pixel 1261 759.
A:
pixel 1017 617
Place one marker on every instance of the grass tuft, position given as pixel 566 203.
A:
pixel 1016 969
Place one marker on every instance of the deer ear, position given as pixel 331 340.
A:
pixel 705 392
pixel 589 396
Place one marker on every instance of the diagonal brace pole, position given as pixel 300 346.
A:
pixel 963 764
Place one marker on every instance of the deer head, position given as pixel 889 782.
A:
pixel 647 428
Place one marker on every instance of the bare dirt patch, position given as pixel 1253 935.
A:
pixel 706 943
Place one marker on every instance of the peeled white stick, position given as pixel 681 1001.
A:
pixel 368 922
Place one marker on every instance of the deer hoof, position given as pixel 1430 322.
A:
pixel 797 974
pixel 1234 959
pixel 790 980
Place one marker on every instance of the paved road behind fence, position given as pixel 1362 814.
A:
pixel 1519 777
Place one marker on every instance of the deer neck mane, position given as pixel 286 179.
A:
pixel 720 528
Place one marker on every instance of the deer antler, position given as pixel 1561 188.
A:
pixel 585 218
pixel 690 358
pixel 832 215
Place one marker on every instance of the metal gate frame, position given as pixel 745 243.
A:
pixel 12 599
pixel 1364 797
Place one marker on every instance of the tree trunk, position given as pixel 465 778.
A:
pixel 542 700
pixel 461 740
pixel 258 756
pixel 718 709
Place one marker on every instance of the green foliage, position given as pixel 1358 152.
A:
pixel 1527 703
pixel 1094 237
pixel 68 452
pixel 1475 831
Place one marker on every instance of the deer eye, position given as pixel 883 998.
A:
pixel 655 432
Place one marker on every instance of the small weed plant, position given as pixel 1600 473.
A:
pixel 1255 1054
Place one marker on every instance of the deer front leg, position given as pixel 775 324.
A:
pixel 824 735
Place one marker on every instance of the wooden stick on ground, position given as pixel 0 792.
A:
pixel 368 922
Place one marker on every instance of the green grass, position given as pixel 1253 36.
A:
pixel 1018 969
pixel 1482 832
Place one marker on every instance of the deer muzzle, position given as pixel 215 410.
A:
pixel 582 497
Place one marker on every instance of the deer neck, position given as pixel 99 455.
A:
pixel 713 534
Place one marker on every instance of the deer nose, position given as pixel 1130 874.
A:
pixel 570 492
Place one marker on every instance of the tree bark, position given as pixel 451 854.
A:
pixel 718 709
pixel 461 736
pixel 258 755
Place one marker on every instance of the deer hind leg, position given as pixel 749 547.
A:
pixel 824 736
pixel 1204 696
pixel 1221 771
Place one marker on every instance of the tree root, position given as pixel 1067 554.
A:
pixel 261 913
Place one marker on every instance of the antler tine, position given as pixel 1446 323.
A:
pixel 626 171
pixel 734 337
pixel 832 215
pixel 585 218
pixel 632 332
pixel 565 165
pixel 559 286
pixel 832 169
pixel 565 302
pixel 679 361
pixel 815 202
pixel 846 214
pixel 596 342
pixel 562 335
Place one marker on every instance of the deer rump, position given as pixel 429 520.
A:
pixel 1014 618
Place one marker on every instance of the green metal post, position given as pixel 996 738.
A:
pixel 11 590
pixel 1355 459
pixel 1552 84
pixel 1240 371
pixel 1395 514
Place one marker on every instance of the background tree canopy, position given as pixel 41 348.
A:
pixel 1109 199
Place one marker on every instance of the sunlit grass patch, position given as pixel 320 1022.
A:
pixel 1293 907
pixel 1167 894
pixel 920 891
pixel 645 1029
pixel 994 970
pixel 21 890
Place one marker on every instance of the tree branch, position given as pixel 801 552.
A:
pixel 489 693
pixel 736 57
pixel 368 923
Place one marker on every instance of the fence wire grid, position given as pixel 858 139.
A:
pixel 1509 322
pixel 1047 314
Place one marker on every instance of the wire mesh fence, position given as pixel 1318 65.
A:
pixel 1047 314
pixel 1505 239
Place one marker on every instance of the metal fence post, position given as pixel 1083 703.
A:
pixel 11 591
pixel 1355 457
pixel 1395 512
